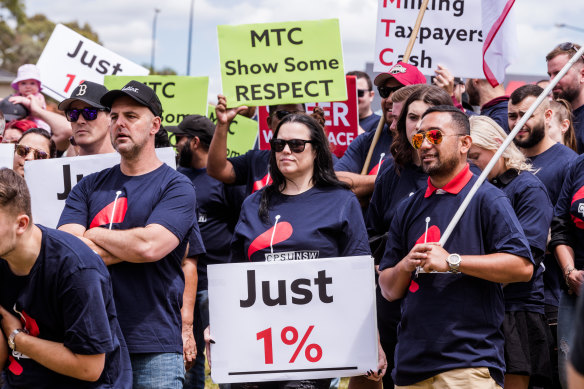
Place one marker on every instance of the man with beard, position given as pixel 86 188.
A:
pixel 551 161
pixel 89 119
pixel 218 208
pixel 571 86
pixel 138 217
pixel 492 101
pixel 451 293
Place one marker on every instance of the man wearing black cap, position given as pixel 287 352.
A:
pixel 89 119
pixel 217 211
pixel 138 216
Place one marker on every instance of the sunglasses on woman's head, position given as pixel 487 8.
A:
pixel 23 151
pixel 296 145
pixel 281 113
pixel 434 136
pixel 88 113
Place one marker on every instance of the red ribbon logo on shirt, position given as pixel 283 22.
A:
pixel 579 195
pixel 105 216
pixel 283 231
pixel 259 184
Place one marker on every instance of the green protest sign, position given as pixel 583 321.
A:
pixel 180 95
pixel 241 135
pixel 282 63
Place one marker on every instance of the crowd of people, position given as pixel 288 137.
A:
pixel 117 296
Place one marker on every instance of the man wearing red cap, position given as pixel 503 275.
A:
pixel 349 167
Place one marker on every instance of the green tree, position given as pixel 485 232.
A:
pixel 25 43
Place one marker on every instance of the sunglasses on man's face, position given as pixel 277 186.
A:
pixel 362 92
pixel 385 91
pixel 23 151
pixel 434 136
pixel 281 113
pixel 88 114
pixel 295 145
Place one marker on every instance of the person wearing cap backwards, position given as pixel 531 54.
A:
pixel 349 167
pixel 138 216
pixel 89 119
pixel 218 208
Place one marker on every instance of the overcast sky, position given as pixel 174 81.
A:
pixel 125 26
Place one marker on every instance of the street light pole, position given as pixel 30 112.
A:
pixel 190 38
pixel 156 11
pixel 564 25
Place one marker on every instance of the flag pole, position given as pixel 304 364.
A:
pixel 405 59
pixel 505 144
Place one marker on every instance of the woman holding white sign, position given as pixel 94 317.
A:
pixel 305 213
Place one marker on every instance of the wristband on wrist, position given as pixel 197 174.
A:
pixel 567 271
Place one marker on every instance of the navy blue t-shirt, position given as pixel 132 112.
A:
pixel 354 158
pixel 66 298
pixel 218 207
pixel 551 167
pixel 579 128
pixel 251 170
pixel 319 223
pixel 148 296
pixel 570 207
pixel 452 321
pixel 497 109
pixel 391 187
pixel 370 122
pixel 534 211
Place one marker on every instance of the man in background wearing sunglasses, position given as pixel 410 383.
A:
pixel 349 167
pixel 571 86
pixel 453 304
pixel 367 118
pixel 89 119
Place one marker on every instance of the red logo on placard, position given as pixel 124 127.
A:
pixel 283 231
pixel 342 120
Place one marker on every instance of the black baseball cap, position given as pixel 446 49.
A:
pixel 195 125
pixel 139 92
pixel 12 111
pixel 88 92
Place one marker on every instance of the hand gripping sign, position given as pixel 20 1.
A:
pixel 282 63
pixel 290 320
pixel 69 58
pixel 51 180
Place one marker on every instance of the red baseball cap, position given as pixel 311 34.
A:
pixel 404 73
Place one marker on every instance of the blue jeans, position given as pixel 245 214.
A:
pixel 158 370
pixel 566 316
pixel 195 377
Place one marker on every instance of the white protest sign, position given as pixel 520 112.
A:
pixel 51 180
pixel 6 155
pixel 69 59
pixel 293 319
pixel 450 35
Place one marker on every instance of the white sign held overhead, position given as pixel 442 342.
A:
pixel 450 31
pixel 51 180
pixel 291 320
pixel 69 59
pixel 6 155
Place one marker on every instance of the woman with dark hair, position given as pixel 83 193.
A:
pixel 35 143
pixel 321 216
pixel 399 178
